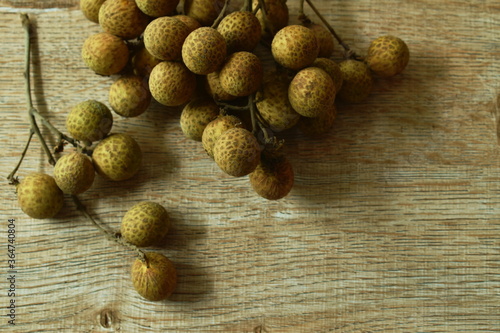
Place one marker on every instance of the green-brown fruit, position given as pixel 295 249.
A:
pixel 237 152
pixel 325 40
pixel 157 8
pixel 311 92
pixel 105 53
pixel 155 279
pixel 189 21
pixel 387 56
pixel 164 37
pixel 143 62
pixel 241 74
pixel 203 11
pixel 273 104
pixel 204 50
pixel 89 121
pixel 332 68
pixel 171 83
pixel 129 96
pixel 122 18
pixel 196 115
pixel 90 8
pixel 318 126
pixel 273 178
pixel 215 128
pixel 214 89
pixel 39 196
pixel 295 47
pixel 117 157
pixel 276 17
pixel 74 173
pixel 241 30
pixel 145 224
pixel 357 81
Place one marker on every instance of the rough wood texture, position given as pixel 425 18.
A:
pixel 392 226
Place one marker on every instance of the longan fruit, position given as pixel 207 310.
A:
pixel 74 173
pixel 164 37
pixel 241 74
pixel 39 196
pixel 204 50
pixel 295 47
pixel 172 83
pixel 145 224
pixel 122 18
pixel 129 96
pixel 89 121
pixel 387 56
pixel 105 54
pixel 156 278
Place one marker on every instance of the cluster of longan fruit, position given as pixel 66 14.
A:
pixel 205 63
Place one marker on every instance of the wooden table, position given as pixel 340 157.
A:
pixel 393 223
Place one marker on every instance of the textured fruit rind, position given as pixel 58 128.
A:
pixel 117 157
pixel 129 96
pixel 273 178
pixel 157 8
pixel 89 121
pixel 105 53
pixel 204 50
pixel 357 81
pixel 164 37
pixel 39 196
pixel 276 16
pixel 295 47
pixel 215 128
pixel 171 83
pixel 241 30
pixel 237 152
pixel 122 18
pixel 145 224
pixel 155 280
pixel 332 68
pixel 196 115
pixel 325 40
pixel 74 173
pixel 387 56
pixel 204 11
pixel 241 74
pixel 90 8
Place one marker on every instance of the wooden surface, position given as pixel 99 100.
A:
pixel 393 224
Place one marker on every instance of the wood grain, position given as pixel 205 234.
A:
pixel 392 226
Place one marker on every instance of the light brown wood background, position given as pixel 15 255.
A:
pixel 393 224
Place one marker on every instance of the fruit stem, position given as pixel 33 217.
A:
pixel 247 6
pixel 268 24
pixel 349 53
pixel 110 235
pixel 13 180
pixel 221 15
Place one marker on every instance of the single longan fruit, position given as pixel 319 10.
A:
pixel 155 279
pixel 241 74
pixel 74 173
pixel 164 36
pixel 204 50
pixel 273 103
pixel 145 224
pixel 276 17
pixel 143 62
pixel 157 8
pixel 357 81
pixel 215 128
pixel 122 18
pixel 295 47
pixel 89 121
pixel 325 40
pixel 237 152
pixel 105 53
pixel 332 69
pixel 189 21
pixel 39 196
pixel 273 178
pixel 241 30
pixel 387 56
pixel 203 11
pixel 318 126
pixel 90 8
pixel 117 157
pixel 171 83
pixel 214 88
pixel 311 92
pixel 196 115
pixel 129 96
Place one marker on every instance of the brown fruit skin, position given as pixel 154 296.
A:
pixel 155 280
pixel 171 83
pixel 105 53
pixel 273 178
pixel 129 96
pixel 157 8
pixel 295 47
pixel 203 11
pixel 273 103
pixel 204 51
pixel 122 18
pixel 74 173
pixel 196 115
pixel 237 152
pixel 189 21
pixel 39 196
pixel 311 92
pixel 145 224
pixel 118 157
pixel 164 37
pixel 215 128
pixel 325 40
pixel 241 30
pixel 277 17
pixel 318 126
pixel 90 8
pixel 214 89
pixel 89 121
pixel 332 69
pixel 357 81
pixel 143 62
pixel 387 56
pixel 241 74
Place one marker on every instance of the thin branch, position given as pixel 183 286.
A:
pixel 10 177
pixel 221 15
